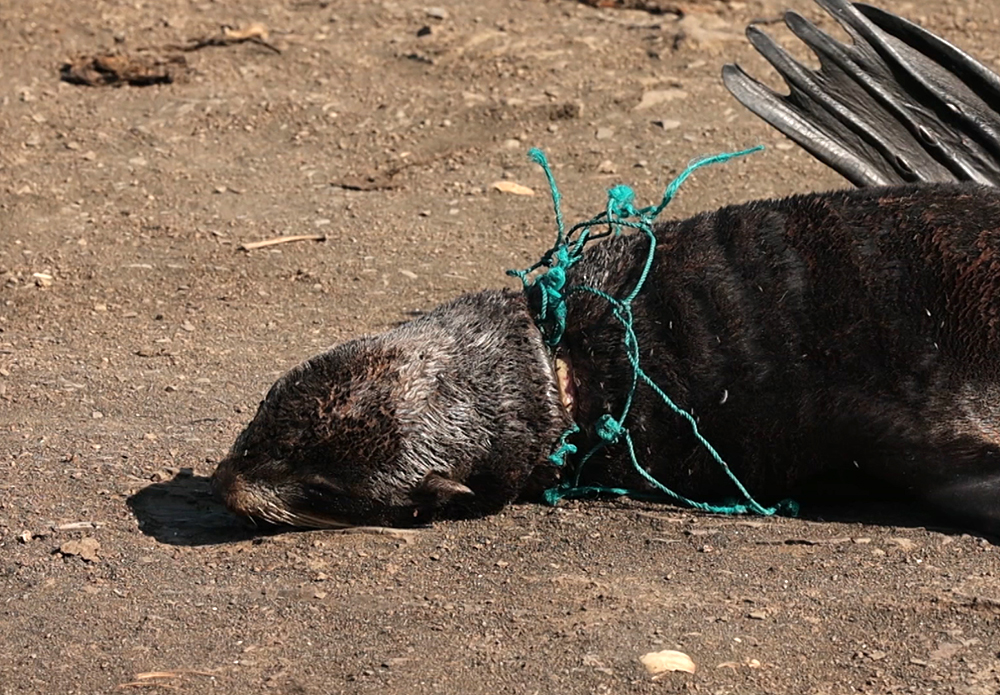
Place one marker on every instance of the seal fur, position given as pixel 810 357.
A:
pixel 448 413
pixel 809 336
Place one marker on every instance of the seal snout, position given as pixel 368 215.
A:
pixel 241 496
pixel 230 488
pixel 253 496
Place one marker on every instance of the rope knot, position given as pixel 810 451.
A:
pixel 565 449
pixel 558 457
pixel 552 316
pixel 608 429
pixel 620 203
pixel 552 281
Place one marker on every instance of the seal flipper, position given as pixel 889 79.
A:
pixel 973 500
pixel 899 105
pixel 960 481
pixel 435 490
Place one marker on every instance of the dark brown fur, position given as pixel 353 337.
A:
pixel 811 335
pixel 449 413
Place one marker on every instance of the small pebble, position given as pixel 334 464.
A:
pixel 656 97
pixel 86 548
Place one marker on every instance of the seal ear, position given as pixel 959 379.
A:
pixel 435 490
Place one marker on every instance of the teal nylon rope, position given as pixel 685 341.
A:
pixel 619 213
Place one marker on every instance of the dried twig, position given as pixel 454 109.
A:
pixel 403 534
pixel 152 679
pixel 255 33
pixel 251 245
pixel 154 65
pixel 78 525
pixel 174 673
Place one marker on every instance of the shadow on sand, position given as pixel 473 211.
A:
pixel 880 508
pixel 183 511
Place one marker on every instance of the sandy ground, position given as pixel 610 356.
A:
pixel 136 339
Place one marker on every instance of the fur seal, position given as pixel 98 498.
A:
pixel 809 336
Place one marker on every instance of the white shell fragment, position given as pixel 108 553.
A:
pixel 657 663
pixel 512 187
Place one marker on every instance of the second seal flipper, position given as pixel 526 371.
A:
pixel 899 105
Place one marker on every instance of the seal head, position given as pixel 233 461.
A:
pixel 451 414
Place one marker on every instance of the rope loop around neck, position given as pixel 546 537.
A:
pixel 550 275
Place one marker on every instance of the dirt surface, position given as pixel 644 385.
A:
pixel 136 339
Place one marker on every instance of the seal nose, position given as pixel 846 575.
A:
pixel 229 488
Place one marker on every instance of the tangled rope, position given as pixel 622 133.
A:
pixel 619 213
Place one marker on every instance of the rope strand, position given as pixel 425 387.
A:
pixel 619 213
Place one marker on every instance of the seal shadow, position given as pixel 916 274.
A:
pixel 874 511
pixel 859 500
pixel 185 511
